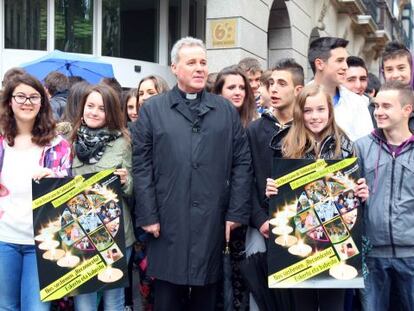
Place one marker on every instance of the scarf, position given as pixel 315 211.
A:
pixel 90 144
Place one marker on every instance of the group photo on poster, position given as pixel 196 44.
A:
pixel 79 234
pixel 315 225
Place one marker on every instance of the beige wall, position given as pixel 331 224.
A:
pixel 270 30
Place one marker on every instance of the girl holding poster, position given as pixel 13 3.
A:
pixel 29 149
pixel 101 141
pixel 315 135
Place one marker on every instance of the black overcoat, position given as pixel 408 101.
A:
pixel 190 176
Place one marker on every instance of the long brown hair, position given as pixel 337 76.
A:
pixel 161 86
pixel 126 96
pixel 299 140
pixel 114 118
pixel 247 110
pixel 44 126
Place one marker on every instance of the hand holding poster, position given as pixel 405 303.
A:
pixel 315 225
pixel 79 234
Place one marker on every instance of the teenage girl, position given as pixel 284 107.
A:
pixel 29 149
pixel 101 141
pixel 315 135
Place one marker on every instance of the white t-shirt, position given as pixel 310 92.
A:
pixel 19 166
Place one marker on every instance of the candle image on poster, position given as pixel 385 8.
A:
pixel 79 234
pixel 315 225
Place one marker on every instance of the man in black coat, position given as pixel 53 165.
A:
pixel 192 179
pixel 285 82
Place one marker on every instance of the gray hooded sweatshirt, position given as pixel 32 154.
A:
pixel 389 212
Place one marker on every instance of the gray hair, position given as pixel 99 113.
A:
pixel 187 41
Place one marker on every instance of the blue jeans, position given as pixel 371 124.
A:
pixel 113 299
pixel 19 279
pixel 386 275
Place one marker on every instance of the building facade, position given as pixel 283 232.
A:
pixel 271 29
pixel 136 36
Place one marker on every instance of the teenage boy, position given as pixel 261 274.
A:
pixel 386 158
pixel 327 57
pixel 284 84
pixel 356 79
pixel 264 101
pixel 373 85
pixel 397 63
pixel 251 67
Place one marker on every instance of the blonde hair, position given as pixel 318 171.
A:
pixel 299 141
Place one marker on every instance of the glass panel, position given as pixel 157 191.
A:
pixel 130 29
pixel 197 19
pixel 74 25
pixel 174 26
pixel 25 24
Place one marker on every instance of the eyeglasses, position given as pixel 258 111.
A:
pixel 21 99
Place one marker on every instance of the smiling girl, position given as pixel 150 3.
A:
pixel 29 149
pixel 101 141
pixel 315 135
pixel 150 86
pixel 232 84
pixel 130 105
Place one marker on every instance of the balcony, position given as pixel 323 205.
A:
pixel 364 24
pixel 352 7
pixel 380 38
pixel 371 9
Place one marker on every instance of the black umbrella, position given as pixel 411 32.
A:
pixel 227 284
pixel 254 271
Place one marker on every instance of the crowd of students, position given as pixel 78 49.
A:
pixel 195 162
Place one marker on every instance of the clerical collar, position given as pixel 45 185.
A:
pixel 190 96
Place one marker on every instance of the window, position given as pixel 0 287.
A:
pixel 25 24
pixel 190 23
pixel 174 23
pixel 130 29
pixel 197 19
pixel 74 25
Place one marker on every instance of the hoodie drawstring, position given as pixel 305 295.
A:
pixel 376 168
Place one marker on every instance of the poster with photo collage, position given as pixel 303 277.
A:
pixel 315 225
pixel 79 234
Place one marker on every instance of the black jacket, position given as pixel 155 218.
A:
pixel 190 175
pixel 260 133
pixel 327 150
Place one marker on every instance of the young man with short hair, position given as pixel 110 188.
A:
pixel 386 158
pixel 56 85
pixel 285 82
pixel 251 67
pixel 264 101
pixel 327 57
pixel 356 79
pixel 373 85
pixel 397 62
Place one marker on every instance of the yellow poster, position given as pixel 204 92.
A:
pixel 315 225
